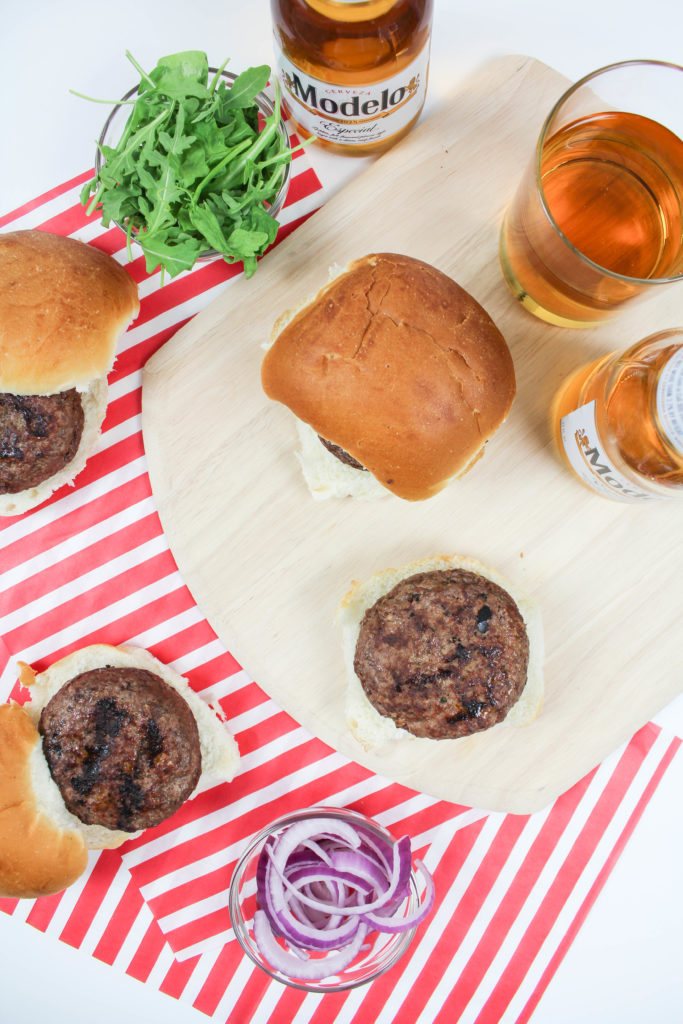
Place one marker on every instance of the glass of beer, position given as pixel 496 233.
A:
pixel 598 217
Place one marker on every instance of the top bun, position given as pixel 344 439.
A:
pixel 63 305
pixel 399 366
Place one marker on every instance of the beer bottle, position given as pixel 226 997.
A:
pixel 353 72
pixel 618 422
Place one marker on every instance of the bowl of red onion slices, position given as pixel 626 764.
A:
pixel 325 899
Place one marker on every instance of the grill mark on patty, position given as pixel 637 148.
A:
pixel 122 746
pixel 443 654
pixel 108 718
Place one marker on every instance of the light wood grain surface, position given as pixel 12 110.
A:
pixel 267 565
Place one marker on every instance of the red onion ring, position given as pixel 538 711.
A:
pixel 291 965
pixel 322 885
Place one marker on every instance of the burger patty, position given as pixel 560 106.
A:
pixel 39 435
pixel 443 654
pixel 342 454
pixel 122 746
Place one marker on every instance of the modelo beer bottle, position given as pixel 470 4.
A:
pixel 619 421
pixel 353 72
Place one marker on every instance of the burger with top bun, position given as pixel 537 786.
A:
pixel 397 377
pixel 63 305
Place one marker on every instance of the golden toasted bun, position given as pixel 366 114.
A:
pixel 38 856
pixel 400 366
pixel 30 801
pixel 63 305
pixel 373 730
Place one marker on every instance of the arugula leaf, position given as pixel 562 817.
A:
pixel 172 254
pixel 119 204
pixel 194 169
pixel 182 74
pixel 243 90
pixel 206 221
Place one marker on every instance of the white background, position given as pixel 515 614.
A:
pixel 626 964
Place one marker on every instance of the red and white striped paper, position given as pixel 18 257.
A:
pixel 91 565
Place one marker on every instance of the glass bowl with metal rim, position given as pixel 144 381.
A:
pixel 116 122
pixel 380 950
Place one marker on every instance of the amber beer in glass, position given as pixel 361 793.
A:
pixel 598 217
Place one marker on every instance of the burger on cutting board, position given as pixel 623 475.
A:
pixel 397 378
pixel 438 649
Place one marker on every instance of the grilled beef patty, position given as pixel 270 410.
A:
pixel 122 746
pixel 341 454
pixel 443 654
pixel 39 435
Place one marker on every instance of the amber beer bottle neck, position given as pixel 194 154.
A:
pixel 351 10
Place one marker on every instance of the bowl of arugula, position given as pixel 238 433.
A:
pixel 193 164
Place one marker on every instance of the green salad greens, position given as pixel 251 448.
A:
pixel 193 170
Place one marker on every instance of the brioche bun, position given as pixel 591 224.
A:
pixel 63 305
pixel 374 730
pixel 38 854
pixel 31 801
pixel 395 363
pixel 329 477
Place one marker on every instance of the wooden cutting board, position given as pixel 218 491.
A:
pixel 267 565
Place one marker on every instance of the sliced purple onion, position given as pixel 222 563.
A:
pixel 387 924
pixel 398 882
pixel 360 865
pixel 294 927
pixel 308 970
pixel 322 885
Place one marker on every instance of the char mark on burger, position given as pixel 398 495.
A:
pixel 39 435
pixel 122 746
pixel 443 654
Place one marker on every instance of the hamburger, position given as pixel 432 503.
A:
pixel 397 378
pixel 112 742
pixel 440 648
pixel 63 305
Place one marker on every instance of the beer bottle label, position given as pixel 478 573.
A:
pixel 353 115
pixel 669 399
pixel 590 462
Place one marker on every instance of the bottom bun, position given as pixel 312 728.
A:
pixel 328 477
pixel 374 730
pixel 38 854
pixel 94 402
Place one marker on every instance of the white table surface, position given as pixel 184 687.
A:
pixel 626 964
